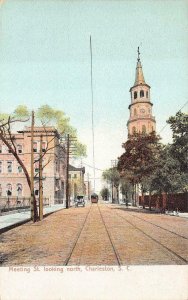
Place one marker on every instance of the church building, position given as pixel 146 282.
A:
pixel 141 119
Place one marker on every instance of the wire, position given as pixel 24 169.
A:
pixel 92 167
pixel 177 112
pixel 92 114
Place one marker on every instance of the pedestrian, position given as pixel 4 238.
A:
pixel 127 203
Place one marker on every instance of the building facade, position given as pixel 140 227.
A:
pixel 141 119
pixel 12 178
pixel 76 182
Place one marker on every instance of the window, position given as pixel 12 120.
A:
pixel 147 94
pixel 9 189
pixel 56 166
pixel 19 189
pixel 9 166
pixel 19 148
pixel 135 112
pixel 133 130
pixel 19 169
pixel 1 166
pixel 36 166
pixel 0 190
pixel 9 151
pixel 43 146
pixel 35 147
pixel 75 175
pixel 141 94
pixel 135 95
pixel 143 129
pixel 0 148
pixel 70 176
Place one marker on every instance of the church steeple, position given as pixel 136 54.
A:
pixel 141 119
pixel 139 78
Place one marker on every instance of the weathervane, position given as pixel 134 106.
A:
pixel 138 54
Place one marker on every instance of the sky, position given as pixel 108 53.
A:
pixel 45 59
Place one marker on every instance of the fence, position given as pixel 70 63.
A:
pixel 13 203
pixel 58 200
pixel 167 201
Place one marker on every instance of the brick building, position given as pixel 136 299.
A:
pixel 12 178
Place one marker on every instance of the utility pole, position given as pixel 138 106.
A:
pixel 67 176
pixel 88 187
pixel 40 183
pixel 33 200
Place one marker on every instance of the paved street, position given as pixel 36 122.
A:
pixel 99 234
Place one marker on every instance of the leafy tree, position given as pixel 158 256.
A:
pixel 179 147
pixel 45 116
pixel 105 193
pixel 140 158
pixel 112 175
pixel 168 177
pixel 126 187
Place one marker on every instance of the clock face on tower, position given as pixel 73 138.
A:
pixel 142 110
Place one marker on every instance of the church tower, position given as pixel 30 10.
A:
pixel 141 119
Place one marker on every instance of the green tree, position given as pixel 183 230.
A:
pixel 112 175
pixel 140 159
pixel 179 147
pixel 105 193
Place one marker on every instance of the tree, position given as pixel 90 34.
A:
pixel 105 193
pixel 45 116
pixel 126 187
pixel 139 159
pixel 112 175
pixel 168 177
pixel 179 147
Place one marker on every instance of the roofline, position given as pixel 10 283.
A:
pixel 140 84
pixel 140 102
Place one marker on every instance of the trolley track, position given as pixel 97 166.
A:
pixel 85 238
pixel 179 235
pixel 152 238
pixel 111 242
pixel 77 238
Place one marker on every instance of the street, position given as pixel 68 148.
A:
pixel 98 234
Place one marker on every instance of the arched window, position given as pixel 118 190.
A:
pixel 0 190
pixel 9 166
pixel 147 94
pixel 43 146
pixel 0 148
pixel 133 130
pixel 1 167
pixel 36 166
pixel 19 148
pixel 143 129
pixel 36 188
pixel 20 169
pixel 135 112
pixel 135 95
pixel 35 147
pixel 19 189
pixel 141 94
pixel 9 189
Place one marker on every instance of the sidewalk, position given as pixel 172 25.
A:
pixel 10 221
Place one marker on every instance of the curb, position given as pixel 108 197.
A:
pixel 5 229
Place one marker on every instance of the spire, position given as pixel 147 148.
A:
pixel 139 78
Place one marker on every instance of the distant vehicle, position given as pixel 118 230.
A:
pixel 94 198
pixel 79 201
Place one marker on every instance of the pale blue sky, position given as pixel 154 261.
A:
pixel 45 58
